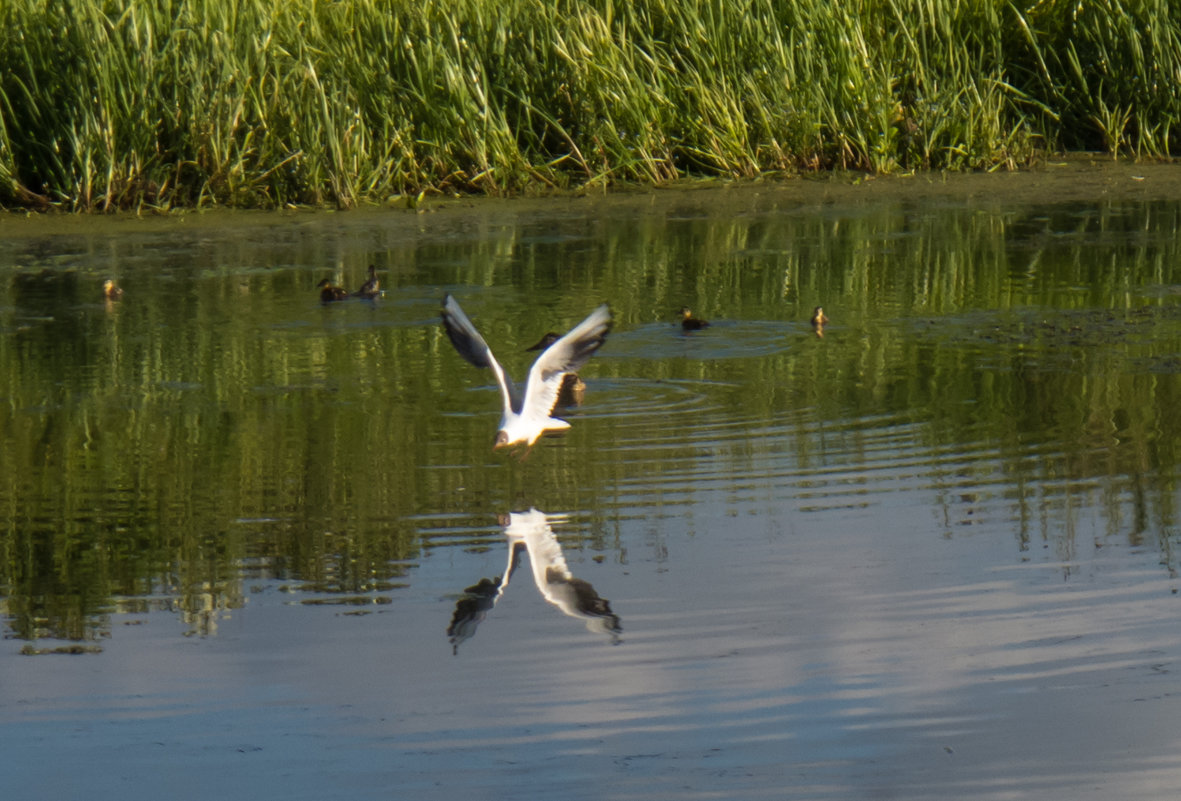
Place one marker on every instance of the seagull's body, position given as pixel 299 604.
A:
pixel 527 415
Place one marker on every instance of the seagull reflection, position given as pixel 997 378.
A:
pixel 531 532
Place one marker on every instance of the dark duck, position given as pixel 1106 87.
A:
pixel 691 323
pixel 330 292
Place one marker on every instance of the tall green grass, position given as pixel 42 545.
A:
pixel 119 103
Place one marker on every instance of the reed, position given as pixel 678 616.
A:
pixel 124 103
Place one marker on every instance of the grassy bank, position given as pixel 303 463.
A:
pixel 268 102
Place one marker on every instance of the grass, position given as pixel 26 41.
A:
pixel 125 103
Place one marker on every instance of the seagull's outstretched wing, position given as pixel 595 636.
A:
pixel 566 355
pixel 471 346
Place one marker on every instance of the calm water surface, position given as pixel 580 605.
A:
pixel 928 554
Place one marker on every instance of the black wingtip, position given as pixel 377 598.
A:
pixel 547 340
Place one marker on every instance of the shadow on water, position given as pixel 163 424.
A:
pixel 929 554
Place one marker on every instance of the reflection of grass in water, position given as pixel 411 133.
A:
pixel 138 456
pixel 380 600
pixel 262 102
pixel 1061 337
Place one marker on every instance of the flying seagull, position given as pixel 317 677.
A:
pixel 527 415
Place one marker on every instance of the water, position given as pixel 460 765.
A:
pixel 929 554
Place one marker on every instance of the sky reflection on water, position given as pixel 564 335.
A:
pixel 928 555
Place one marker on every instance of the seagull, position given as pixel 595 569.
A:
pixel 691 323
pixel 528 415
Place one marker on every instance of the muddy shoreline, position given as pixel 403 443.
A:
pixel 1073 178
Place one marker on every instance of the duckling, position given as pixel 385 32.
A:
pixel 372 287
pixel 691 323
pixel 573 388
pixel 330 292
pixel 818 320
pixel 110 291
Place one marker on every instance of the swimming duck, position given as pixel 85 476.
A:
pixel 691 323
pixel 372 287
pixel 330 292
pixel 818 320
pixel 573 388
pixel 528 415
pixel 110 291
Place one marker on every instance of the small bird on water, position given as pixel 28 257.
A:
pixel 573 388
pixel 330 292
pixel 818 320
pixel 372 287
pixel 691 323
pixel 527 415
pixel 110 291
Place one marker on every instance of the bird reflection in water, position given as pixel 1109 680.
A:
pixel 531 532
